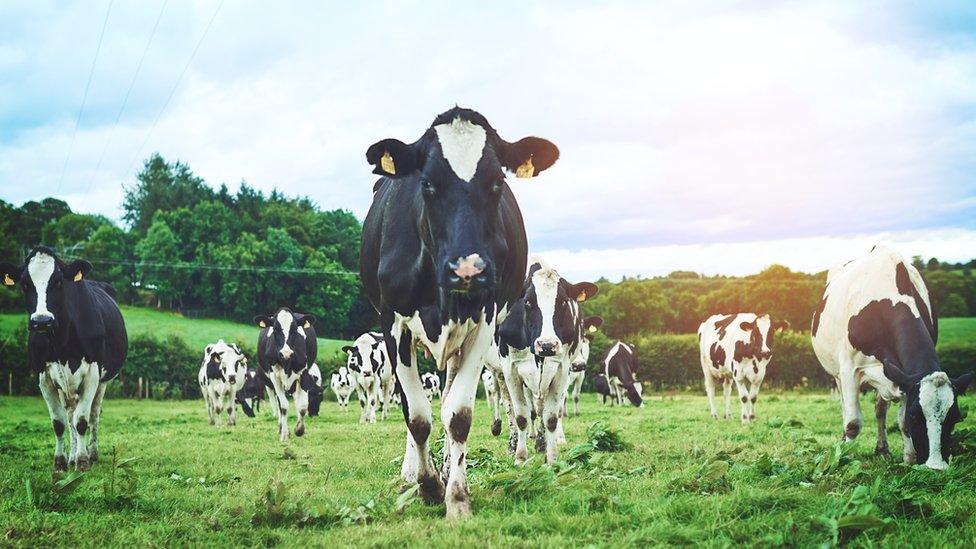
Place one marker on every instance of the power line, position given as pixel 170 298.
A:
pixel 84 99
pixel 172 92
pixel 125 100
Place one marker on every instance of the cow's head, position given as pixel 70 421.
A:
pixel 552 314
pixel 364 356
pixel 761 332
pixel 286 337
pixel 459 168
pixel 311 382
pixel 223 361
pixel 931 410
pixel 45 281
pixel 590 325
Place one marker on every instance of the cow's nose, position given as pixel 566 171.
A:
pixel 467 272
pixel 39 323
pixel 546 347
pixel 286 353
pixel 232 379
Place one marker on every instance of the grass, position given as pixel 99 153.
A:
pixel 677 477
pixel 196 332
pixel 957 330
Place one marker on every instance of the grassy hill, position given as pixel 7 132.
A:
pixel 196 332
pixel 957 330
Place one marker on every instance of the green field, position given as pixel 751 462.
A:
pixel 957 330
pixel 196 332
pixel 684 479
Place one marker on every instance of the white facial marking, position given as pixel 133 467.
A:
pixel 284 319
pixel 935 397
pixel 40 269
pixel 546 282
pixel 582 352
pixel 462 144
pixel 764 323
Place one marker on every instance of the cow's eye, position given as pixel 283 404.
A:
pixel 428 187
pixel 497 186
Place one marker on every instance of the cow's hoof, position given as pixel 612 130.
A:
pixel 71 463
pixel 92 455
pixel 60 464
pixel 83 464
pixel 431 489
pixel 540 444
pixel 458 509
pixel 496 428
pixel 882 451
pixel 714 416
pixel 299 430
pixel 852 430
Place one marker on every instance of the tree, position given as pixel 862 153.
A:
pixel 112 252
pixel 71 229
pixel 952 306
pixel 161 187
pixel 160 246
pixel 33 216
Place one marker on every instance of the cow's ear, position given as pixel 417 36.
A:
pixel 781 325
pixel 262 321
pixel 962 382
pixel 347 348
pixel 592 323
pixel 305 321
pixel 582 291
pixel 896 375
pixel 393 158
pixel 10 273
pixel 529 156
pixel 208 350
pixel 213 369
pixel 77 269
pixel 746 326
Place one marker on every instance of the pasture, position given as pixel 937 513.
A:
pixel 683 478
pixel 957 330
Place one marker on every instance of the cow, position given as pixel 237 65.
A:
pixel 432 385
pixel 736 348
pixel 875 326
pixel 313 386
pixel 286 348
pixel 343 386
pixel 577 370
pixel 538 342
pixel 619 363
pixel 76 344
pixel 493 397
pixel 372 374
pixel 443 257
pixel 602 388
pixel 250 396
pixel 222 374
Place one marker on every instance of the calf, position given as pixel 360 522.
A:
pixel 343 386
pixel 286 348
pixel 602 387
pixel 372 374
pixel 222 374
pixel 76 344
pixel 443 257
pixel 619 365
pixel 314 388
pixel 875 326
pixel 537 343
pixel 577 369
pixel 432 385
pixel 737 348
pixel 250 396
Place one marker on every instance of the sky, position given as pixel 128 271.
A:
pixel 716 137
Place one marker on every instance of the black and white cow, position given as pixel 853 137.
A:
pixel 875 326
pixel 251 395
pixel 314 388
pixel 286 348
pixel 76 344
pixel 737 348
pixel 538 342
pixel 443 257
pixel 222 374
pixel 432 385
pixel 619 365
pixel 372 374
pixel 602 388
pixel 577 369
pixel 343 386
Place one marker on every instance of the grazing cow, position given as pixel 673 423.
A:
pixel 372 374
pixel 875 326
pixel 313 386
pixel 250 396
pixel 432 385
pixel 737 348
pixel 537 342
pixel 76 344
pixel 602 387
pixel 222 374
pixel 577 370
pixel 286 348
pixel 343 385
pixel 443 256
pixel 619 365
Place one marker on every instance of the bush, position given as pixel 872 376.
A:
pixel 169 365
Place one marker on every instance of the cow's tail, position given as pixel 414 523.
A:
pixel 245 407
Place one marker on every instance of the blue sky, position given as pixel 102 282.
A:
pixel 803 129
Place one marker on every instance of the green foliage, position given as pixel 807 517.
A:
pixel 858 514
pixel 604 438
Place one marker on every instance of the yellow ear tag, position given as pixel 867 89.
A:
pixel 581 297
pixel 77 276
pixel 262 324
pixel 526 169
pixel 7 281
pixel 592 329
pixel 386 162
pixel 307 325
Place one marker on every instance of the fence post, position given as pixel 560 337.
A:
pixel 139 389
pixel 10 383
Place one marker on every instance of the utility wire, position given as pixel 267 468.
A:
pixel 125 100
pixel 84 99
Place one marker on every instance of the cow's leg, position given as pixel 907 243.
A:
pixel 754 396
pixel 908 448
pixel 521 408
pixel 710 392
pixel 740 386
pixel 881 415
pixel 273 400
pixel 232 408
pixel 727 390
pixel 374 399
pixel 82 413
pixel 210 406
pixel 96 416
pixel 281 403
pixel 59 420
pixel 538 432
pixel 496 408
pixel 301 409
pixel 851 406
pixel 577 387
pixel 550 414
pixel 387 392
pixel 361 394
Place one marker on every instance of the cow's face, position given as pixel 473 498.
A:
pixel 761 332
pixel 459 166
pixel 362 357
pixel 931 411
pixel 44 279
pixel 286 337
pixel 590 325
pixel 552 316
pixel 224 361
